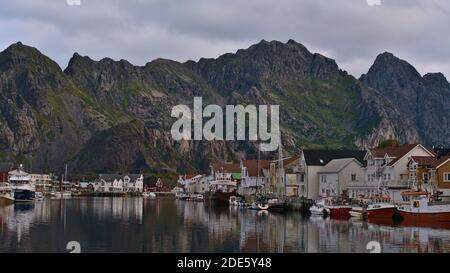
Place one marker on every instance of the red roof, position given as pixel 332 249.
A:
pixel 429 161
pixel 395 152
pixel 252 166
pixel 227 167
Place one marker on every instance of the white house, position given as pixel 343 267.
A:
pixel 119 183
pixel 194 183
pixel 387 169
pixel 337 174
pixel 312 161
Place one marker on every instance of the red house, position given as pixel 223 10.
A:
pixel 4 169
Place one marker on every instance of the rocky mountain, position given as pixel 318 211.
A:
pixel 423 101
pixel 114 116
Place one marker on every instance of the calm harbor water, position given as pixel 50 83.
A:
pixel 168 225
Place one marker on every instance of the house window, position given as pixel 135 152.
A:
pixel 384 176
pixel 323 179
pixel 446 177
pixel 302 178
pixel 353 177
pixel 389 176
pixel 425 177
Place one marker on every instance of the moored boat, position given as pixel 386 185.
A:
pixel 149 195
pixel 319 208
pixel 381 210
pixel 424 207
pixel 6 199
pixel 23 189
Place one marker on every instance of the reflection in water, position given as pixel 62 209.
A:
pixel 168 225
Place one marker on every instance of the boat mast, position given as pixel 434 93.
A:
pixel 257 166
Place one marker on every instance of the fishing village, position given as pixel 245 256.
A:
pixel 407 182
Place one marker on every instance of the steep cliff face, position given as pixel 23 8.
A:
pixel 113 116
pixel 423 102
pixel 43 114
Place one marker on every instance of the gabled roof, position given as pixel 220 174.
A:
pixel 252 166
pixel 430 161
pixel 337 165
pixel 395 152
pixel 323 157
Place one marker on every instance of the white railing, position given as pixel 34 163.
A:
pixel 396 183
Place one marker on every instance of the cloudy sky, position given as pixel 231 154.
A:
pixel 350 31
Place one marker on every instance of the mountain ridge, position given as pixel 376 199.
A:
pixel 78 114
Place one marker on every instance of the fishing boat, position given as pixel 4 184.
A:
pixel 424 207
pixel 377 210
pixel 319 208
pixel 22 187
pixel 337 209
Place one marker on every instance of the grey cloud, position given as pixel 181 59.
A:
pixel 349 31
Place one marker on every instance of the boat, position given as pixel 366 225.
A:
pixel 22 187
pixel 181 196
pixel 237 201
pixel 198 197
pixel 222 188
pixel 338 208
pixel 149 195
pixel 60 195
pixel 39 196
pixel 381 210
pixel 6 198
pixel 319 208
pixel 424 207
pixel 356 214
pixel 377 210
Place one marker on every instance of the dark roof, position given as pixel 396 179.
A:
pixel 111 177
pixel 429 161
pixel 322 157
pixel 5 167
pixel 442 152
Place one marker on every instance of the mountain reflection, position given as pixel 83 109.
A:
pixel 168 225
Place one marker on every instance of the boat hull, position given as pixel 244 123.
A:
pixel 24 195
pixel 381 213
pixel 425 216
pixel 222 198
pixel 340 211
pixel 6 200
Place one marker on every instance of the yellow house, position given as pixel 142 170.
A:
pixel 430 172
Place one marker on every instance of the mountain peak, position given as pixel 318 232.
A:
pixel 436 79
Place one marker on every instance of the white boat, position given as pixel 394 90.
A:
pixel 319 208
pixel 22 187
pixel 356 214
pixel 60 195
pixel 424 208
pixel 39 196
pixel 150 195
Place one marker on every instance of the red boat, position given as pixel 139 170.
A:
pixel 379 210
pixel 424 208
pixel 338 211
